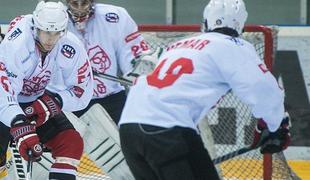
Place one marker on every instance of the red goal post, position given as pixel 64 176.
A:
pixel 265 167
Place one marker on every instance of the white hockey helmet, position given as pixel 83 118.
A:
pixel 50 16
pixel 225 13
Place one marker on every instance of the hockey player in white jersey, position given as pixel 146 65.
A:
pixel 6 100
pixel 47 72
pixel 113 42
pixel 158 126
pixel 114 47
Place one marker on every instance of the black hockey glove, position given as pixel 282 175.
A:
pixel 271 142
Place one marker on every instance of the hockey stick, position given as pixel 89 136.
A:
pixel 232 155
pixel 29 166
pixel 18 162
pixel 114 78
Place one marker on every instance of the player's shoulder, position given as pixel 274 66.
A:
pixel 19 39
pixel 19 29
pixel 71 39
pixel 234 47
pixel 70 46
pixel 110 12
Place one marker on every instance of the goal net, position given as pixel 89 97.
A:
pixel 229 126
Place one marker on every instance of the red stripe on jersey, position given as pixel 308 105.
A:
pixel 132 36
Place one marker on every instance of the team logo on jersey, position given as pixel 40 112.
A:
pixel 68 51
pixel 99 59
pixel 112 17
pixel 29 110
pixel 36 83
pixel 236 41
pixel 15 34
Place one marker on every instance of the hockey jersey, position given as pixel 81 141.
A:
pixel 112 41
pixel 66 70
pixel 192 76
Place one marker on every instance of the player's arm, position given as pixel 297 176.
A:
pixel 256 86
pixel 9 106
pixel 132 48
pixel 251 81
pixel 11 81
pixel 76 90
pixel 22 131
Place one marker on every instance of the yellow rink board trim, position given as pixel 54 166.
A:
pixel 241 168
pixel 245 169
pixel 301 168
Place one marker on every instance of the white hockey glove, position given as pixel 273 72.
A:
pixel 144 64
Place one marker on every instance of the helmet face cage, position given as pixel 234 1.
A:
pixel 80 10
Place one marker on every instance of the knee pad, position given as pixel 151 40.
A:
pixel 67 148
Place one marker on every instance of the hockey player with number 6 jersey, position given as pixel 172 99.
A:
pixel 158 126
pixel 48 71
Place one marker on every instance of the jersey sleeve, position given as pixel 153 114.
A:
pixel 131 43
pixel 9 106
pixel 74 80
pixel 13 62
pixel 250 80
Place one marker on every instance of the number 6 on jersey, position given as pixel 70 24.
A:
pixel 175 70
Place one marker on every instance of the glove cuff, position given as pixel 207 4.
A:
pixel 21 127
pixel 56 96
pixel 18 119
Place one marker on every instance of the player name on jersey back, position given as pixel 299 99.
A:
pixel 197 44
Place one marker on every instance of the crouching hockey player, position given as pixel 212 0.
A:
pixel 44 70
pixel 162 140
